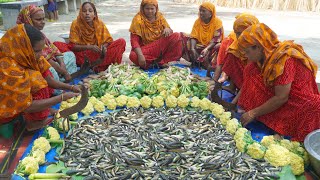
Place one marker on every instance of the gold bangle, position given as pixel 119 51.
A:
pixel 61 97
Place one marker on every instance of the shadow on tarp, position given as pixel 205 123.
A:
pixel 258 130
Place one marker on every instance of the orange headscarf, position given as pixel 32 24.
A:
pixel 82 33
pixel 205 32
pixel 242 22
pixel 276 52
pixel 148 31
pixel 20 72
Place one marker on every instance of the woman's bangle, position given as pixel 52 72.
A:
pixel 61 97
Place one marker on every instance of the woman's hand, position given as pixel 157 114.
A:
pixel 204 52
pixel 94 48
pixel 75 89
pixel 194 54
pixel 167 32
pixel 142 60
pixel 68 95
pixel 67 77
pixel 246 118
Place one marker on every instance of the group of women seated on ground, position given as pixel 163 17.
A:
pixel 274 81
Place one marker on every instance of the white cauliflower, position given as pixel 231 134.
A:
pixel 224 117
pixel 88 109
pixel 41 144
pixel 256 150
pixel 171 101
pixel 40 156
pixel 28 165
pixel 133 102
pixel 277 155
pixel 99 106
pixel 232 126
pixel 296 163
pixel 145 102
pixel 157 102
pixel 183 101
pixel 205 104
pixel 73 117
pixel 121 100
pixel 268 140
pixel 53 133
pixel 195 101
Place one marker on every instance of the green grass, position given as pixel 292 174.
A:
pixel 4 1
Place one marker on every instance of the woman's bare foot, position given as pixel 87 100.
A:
pixel 223 77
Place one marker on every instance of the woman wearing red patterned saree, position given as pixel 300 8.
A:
pixel 279 87
pixel 152 40
pixel 88 34
pixel 230 60
pixel 25 79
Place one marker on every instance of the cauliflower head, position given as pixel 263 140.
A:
pixel 40 156
pixel 99 106
pixel 121 100
pixel 303 153
pixel 296 163
pixel 163 94
pixel 195 101
pixel 105 98
pixel 268 140
pixel 73 116
pixel 205 104
pixel 243 141
pixel 88 109
pixel 157 102
pixel 224 117
pixel 28 165
pixel 111 104
pixel 175 91
pixel 183 101
pixel 216 109
pixel 53 133
pixel 240 133
pixel 41 144
pixel 145 102
pixel 256 150
pixel 171 101
pixel 232 126
pixel 133 102
pixel 287 144
pixel 93 100
pixel 277 155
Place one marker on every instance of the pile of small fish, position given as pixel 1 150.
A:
pixel 158 144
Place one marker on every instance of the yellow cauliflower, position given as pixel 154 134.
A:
pixel 287 144
pixel 183 101
pixel 216 109
pixel 28 165
pixel 41 144
pixel 296 163
pixel 111 104
pixel 105 98
pixel 171 101
pixel 53 133
pixel 163 94
pixel 64 105
pixel 205 104
pixel 277 155
pixel 303 153
pixel 240 133
pixel 121 100
pixel 40 156
pixel 157 102
pixel 256 150
pixel 268 140
pixel 88 109
pixel 243 141
pixel 232 126
pixel 133 102
pixel 99 106
pixel 145 102
pixel 224 117
pixel 93 100
pixel 62 123
pixel 195 101
pixel 175 91
pixel 73 117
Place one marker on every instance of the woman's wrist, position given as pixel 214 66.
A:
pixel 252 114
pixel 71 87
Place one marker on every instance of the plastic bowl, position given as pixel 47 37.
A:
pixel 312 145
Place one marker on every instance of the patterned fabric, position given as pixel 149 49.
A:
pixel 20 72
pixel 242 22
pixel 234 67
pixel 169 47
pixel 204 33
pixel 24 17
pixel 82 33
pixel 221 59
pixel 276 52
pixel 300 114
pixel 113 54
pixel 148 31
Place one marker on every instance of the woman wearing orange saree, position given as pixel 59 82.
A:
pixel 25 78
pixel 152 40
pixel 88 34
pixel 229 59
pixel 206 36
pixel 279 87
